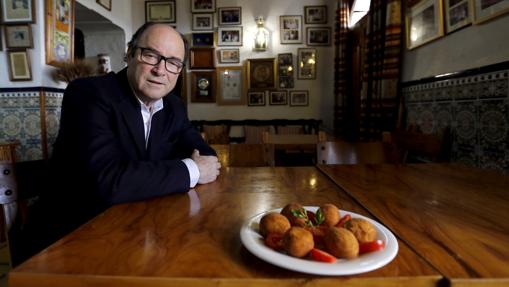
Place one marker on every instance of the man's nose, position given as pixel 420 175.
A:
pixel 159 68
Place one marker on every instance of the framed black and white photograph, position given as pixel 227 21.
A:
pixel 315 14
pixel 488 9
pixel 203 87
pixel 299 98
pixel 19 66
pixel 160 11
pixel 105 3
pixel 230 86
pixel 203 21
pixel 290 29
pixel 255 98
pixel 306 63
pixel 278 98
pixel 203 39
pixel 229 56
pixel 229 36
pixel 18 11
pixel 203 6
pixel 458 13
pixel 318 36
pixel 424 23
pixel 285 70
pixel 261 73
pixel 229 16
pixel 18 36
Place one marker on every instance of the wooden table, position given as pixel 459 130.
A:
pixel 456 217
pixel 193 239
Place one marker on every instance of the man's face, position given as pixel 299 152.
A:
pixel 151 83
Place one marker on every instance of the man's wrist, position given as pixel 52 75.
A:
pixel 194 172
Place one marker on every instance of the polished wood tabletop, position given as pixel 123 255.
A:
pixel 456 217
pixel 193 239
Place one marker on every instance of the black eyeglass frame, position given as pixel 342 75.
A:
pixel 173 61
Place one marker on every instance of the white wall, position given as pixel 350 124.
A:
pixel 471 47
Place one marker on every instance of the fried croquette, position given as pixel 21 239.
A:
pixel 274 223
pixel 294 220
pixel 341 243
pixel 298 242
pixel 363 230
pixel 330 213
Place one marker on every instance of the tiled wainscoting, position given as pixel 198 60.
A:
pixel 31 117
pixel 475 105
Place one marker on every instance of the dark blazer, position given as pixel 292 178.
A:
pixel 100 154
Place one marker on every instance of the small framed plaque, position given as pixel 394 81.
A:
pixel 201 58
pixel 203 87
pixel 230 86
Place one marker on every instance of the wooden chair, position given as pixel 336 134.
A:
pixel 216 134
pixel 294 149
pixel 343 152
pixel 415 146
pixel 289 130
pixel 254 134
pixel 251 155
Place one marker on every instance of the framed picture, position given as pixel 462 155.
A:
pixel 203 6
pixel 230 86
pixel 229 16
pixel 488 9
pixel 59 31
pixel 285 70
pixel 278 98
pixel 424 23
pixel 261 73
pixel 229 36
pixel 105 3
pixel 315 14
pixel 19 66
pixel 299 98
pixel 458 13
pixel 203 21
pixel 201 58
pixel 229 56
pixel 255 98
pixel 160 11
pixel 318 36
pixel 306 63
pixel 203 39
pixel 18 36
pixel 203 87
pixel 290 29
pixel 18 11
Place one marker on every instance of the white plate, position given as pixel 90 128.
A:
pixel 254 242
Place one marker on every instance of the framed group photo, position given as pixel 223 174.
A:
pixel 203 21
pixel 18 36
pixel 489 9
pixel 278 98
pixel 290 29
pixel 306 63
pixel 229 56
pixel 315 14
pixel 261 73
pixel 318 36
pixel 203 6
pixel 229 16
pixel 299 98
pixel 203 87
pixel 18 11
pixel 424 23
pixel 229 36
pixel 19 66
pixel 160 11
pixel 230 86
pixel 255 98
pixel 458 13
pixel 59 31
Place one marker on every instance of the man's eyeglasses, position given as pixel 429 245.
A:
pixel 148 56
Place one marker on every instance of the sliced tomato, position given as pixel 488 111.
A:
pixel 371 246
pixel 274 241
pixel 322 256
pixel 343 220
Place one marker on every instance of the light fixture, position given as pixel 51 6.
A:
pixel 261 38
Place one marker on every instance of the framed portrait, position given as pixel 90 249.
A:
pixel 315 14
pixel 105 3
pixel 318 36
pixel 229 16
pixel 290 29
pixel 230 86
pixel 278 98
pixel 203 21
pixel 203 39
pixel 201 58
pixel 285 70
pixel 458 13
pixel 261 73
pixel 488 9
pixel 229 36
pixel 18 11
pixel 18 36
pixel 19 66
pixel 299 98
pixel 306 63
pixel 203 87
pixel 255 98
pixel 424 23
pixel 160 11
pixel 229 56
pixel 59 31
pixel 203 6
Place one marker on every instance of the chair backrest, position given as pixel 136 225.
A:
pixel 251 155
pixel 269 138
pixel 217 134
pixel 342 152
pixel 253 134
pixel 417 146
pixel 289 130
